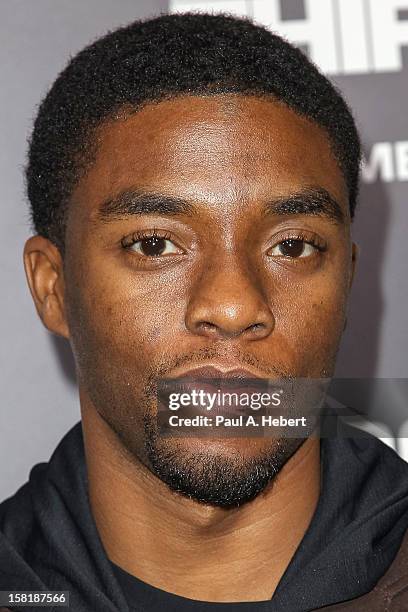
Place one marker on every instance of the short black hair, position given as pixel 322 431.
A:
pixel 164 57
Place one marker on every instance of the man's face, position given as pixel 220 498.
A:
pixel 179 255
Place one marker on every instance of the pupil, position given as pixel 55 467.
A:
pixel 292 248
pixel 153 246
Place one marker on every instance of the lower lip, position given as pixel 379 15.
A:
pixel 239 386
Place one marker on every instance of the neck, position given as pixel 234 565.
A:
pixel 192 549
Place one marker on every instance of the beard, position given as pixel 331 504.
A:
pixel 216 474
pixel 226 473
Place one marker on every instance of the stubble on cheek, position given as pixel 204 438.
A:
pixel 109 355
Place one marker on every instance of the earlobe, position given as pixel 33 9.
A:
pixel 44 273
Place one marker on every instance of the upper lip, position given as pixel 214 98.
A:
pixel 212 371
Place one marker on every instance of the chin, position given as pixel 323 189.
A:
pixel 223 472
pixel 234 448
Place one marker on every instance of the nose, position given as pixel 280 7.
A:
pixel 227 302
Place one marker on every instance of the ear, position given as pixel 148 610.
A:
pixel 355 253
pixel 44 271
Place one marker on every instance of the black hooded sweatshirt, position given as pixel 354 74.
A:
pixel 49 540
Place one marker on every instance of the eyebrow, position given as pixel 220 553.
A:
pixel 310 201
pixel 138 202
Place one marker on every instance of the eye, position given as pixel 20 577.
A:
pixel 294 248
pixel 154 247
pixel 151 245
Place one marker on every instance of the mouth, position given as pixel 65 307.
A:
pixel 212 380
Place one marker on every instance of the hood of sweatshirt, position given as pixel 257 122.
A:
pixel 49 540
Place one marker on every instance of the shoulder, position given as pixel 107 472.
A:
pixel 390 594
pixel 394 584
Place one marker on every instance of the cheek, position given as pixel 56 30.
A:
pixel 310 316
pixel 126 317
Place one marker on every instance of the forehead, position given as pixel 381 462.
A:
pixel 212 149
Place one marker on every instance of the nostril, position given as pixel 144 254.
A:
pixel 257 330
pixel 207 326
pixel 255 327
